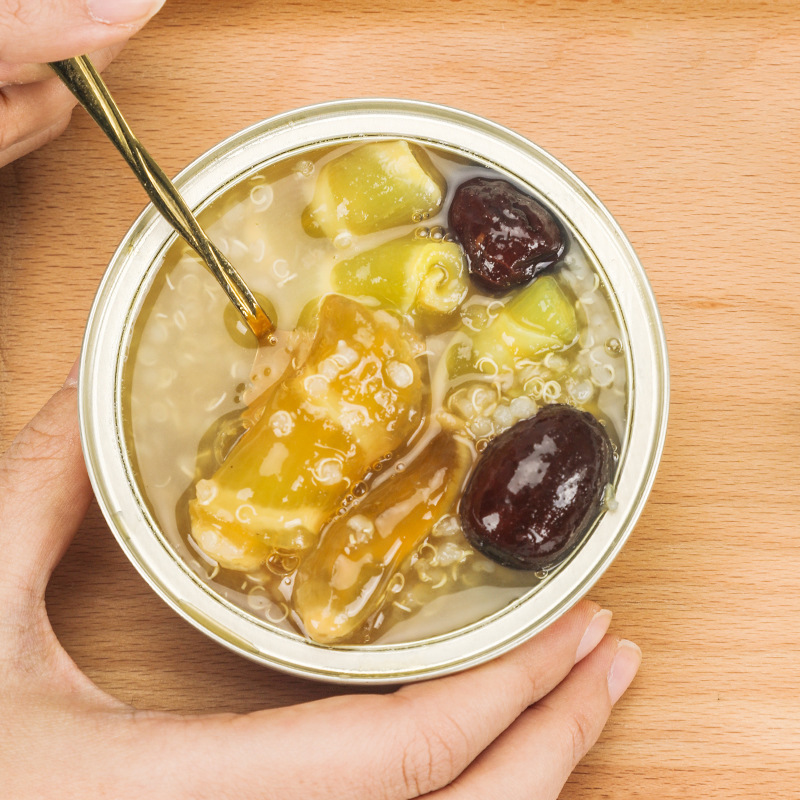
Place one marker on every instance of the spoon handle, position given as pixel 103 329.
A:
pixel 83 80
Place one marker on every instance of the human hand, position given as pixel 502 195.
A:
pixel 512 728
pixel 34 105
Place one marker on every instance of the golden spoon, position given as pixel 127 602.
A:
pixel 83 80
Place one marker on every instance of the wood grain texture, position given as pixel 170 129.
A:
pixel 684 118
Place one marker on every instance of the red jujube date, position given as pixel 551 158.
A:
pixel 508 237
pixel 537 488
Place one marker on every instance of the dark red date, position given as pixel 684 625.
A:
pixel 507 236
pixel 538 488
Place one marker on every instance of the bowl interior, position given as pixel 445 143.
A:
pixel 124 292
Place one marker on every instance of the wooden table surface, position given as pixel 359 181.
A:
pixel 684 118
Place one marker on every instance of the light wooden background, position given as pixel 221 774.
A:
pixel 684 117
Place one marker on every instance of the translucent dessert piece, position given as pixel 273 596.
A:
pixel 347 577
pixel 355 398
pixel 231 546
pixel 539 319
pixel 407 273
pixel 374 187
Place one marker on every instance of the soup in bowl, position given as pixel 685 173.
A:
pixel 451 432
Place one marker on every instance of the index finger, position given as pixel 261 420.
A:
pixel 393 746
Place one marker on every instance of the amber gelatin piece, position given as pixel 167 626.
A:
pixel 347 578
pixel 356 397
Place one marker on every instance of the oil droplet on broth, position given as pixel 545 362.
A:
pixel 613 346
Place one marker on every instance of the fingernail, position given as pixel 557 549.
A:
pixel 117 12
pixel 72 378
pixel 623 669
pixel 594 633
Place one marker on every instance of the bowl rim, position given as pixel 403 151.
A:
pixel 135 262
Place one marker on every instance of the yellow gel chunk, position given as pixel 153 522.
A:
pixel 347 577
pixel 539 319
pixel 230 546
pixel 355 397
pixel 372 188
pixel 407 273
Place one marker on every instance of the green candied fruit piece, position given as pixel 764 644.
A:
pixel 374 187
pixel 347 578
pixel 354 397
pixel 539 319
pixel 407 273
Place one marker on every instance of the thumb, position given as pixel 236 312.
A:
pixel 44 494
pixel 50 30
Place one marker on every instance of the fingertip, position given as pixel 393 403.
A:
pixel 623 669
pixel 569 639
pixel 72 377
pixel 123 12
pixel 579 617
pixel 594 633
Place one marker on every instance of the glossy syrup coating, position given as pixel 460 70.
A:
pixel 537 488
pixel 508 237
